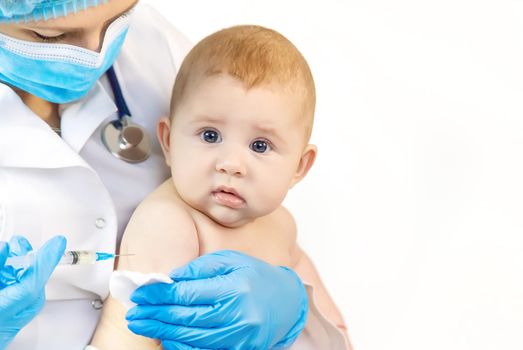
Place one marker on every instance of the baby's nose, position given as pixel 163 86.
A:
pixel 231 165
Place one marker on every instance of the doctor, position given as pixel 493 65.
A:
pixel 82 84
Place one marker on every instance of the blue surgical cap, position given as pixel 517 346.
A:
pixel 36 10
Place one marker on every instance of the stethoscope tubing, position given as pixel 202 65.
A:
pixel 122 138
pixel 121 104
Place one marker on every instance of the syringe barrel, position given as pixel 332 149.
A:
pixel 72 257
pixel 78 257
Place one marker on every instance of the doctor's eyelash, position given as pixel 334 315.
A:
pixel 48 39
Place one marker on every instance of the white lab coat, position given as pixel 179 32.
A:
pixel 74 187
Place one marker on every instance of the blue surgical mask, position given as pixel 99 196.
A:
pixel 59 73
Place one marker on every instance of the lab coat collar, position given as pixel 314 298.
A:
pixel 26 141
pixel 80 119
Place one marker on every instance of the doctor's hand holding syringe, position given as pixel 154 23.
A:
pixel 22 295
pixel 24 274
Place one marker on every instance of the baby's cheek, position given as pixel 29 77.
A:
pixel 182 167
pixel 272 195
pixel 185 183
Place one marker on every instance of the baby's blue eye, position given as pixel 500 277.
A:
pixel 211 136
pixel 260 146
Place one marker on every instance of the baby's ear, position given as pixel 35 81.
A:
pixel 163 132
pixel 306 161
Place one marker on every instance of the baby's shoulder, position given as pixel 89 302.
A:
pixel 278 228
pixel 283 221
pixel 161 225
pixel 162 208
pixel 275 236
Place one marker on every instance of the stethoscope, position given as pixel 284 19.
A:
pixel 125 140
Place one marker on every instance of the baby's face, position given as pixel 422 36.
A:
pixel 234 153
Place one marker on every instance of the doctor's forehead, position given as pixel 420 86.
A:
pixel 104 13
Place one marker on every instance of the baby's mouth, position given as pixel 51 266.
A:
pixel 228 197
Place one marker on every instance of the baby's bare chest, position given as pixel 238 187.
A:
pixel 263 239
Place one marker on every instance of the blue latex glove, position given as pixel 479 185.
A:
pixel 22 300
pixel 222 300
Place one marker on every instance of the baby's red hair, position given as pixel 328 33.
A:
pixel 255 55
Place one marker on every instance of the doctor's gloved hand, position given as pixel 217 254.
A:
pixel 222 300
pixel 23 297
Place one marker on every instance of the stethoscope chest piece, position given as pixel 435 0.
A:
pixel 127 141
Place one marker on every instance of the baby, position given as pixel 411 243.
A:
pixel 236 141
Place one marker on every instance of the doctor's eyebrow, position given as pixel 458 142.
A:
pixel 79 29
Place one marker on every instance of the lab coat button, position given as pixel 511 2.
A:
pixel 100 223
pixel 97 304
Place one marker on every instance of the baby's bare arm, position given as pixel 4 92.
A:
pixel 162 236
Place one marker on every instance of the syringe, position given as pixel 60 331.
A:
pixel 72 257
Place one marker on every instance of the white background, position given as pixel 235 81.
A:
pixel 413 211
